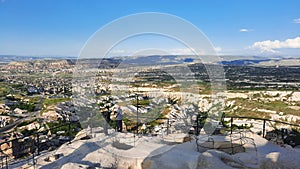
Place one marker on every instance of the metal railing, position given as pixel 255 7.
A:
pixel 264 120
pixel 233 143
pixel 151 119
pixel 26 148
pixel 28 154
pixel 239 134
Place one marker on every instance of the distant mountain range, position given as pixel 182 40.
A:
pixel 261 61
pixel 264 62
pixel 172 59
pixel 12 58
pixel 244 62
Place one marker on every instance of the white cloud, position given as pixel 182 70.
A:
pixel 218 49
pixel 271 46
pixel 118 51
pixel 182 51
pixel 191 51
pixel 246 30
pixel 296 20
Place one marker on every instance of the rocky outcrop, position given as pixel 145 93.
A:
pixel 18 65
pixel 39 64
pixel 51 115
pixel 18 147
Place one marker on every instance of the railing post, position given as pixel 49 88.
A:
pixel 33 161
pixel 197 124
pixel 231 127
pixel 69 130
pixel 6 162
pixel 38 143
pixel 264 128
pixel 167 126
pixel 137 114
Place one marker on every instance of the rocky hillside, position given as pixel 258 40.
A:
pixel 40 64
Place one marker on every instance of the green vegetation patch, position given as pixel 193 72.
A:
pixel 69 129
pixel 24 106
pixel 140 102
pixel 4 90
pixel 54 101
pixel 248 107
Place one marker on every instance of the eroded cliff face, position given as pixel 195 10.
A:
pixel 39 64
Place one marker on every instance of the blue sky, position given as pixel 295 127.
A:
pixel 235 27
